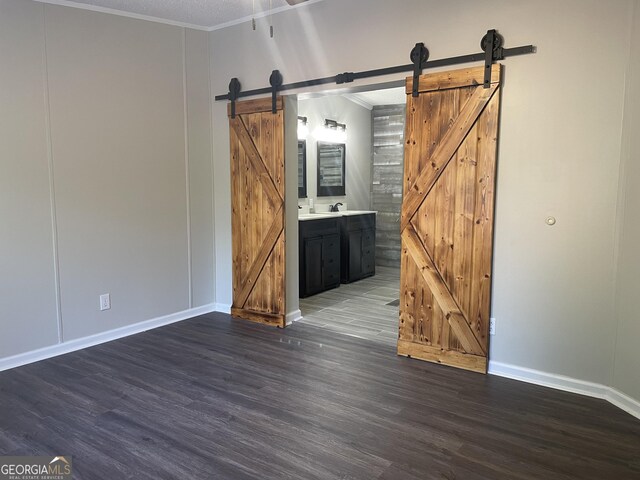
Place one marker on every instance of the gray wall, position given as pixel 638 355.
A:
pixel 106 182
pixel 627 354
pixel 387 174
pixel 105 172
pixel 559 147
pixel 28 318
pixel 358 148
pixel 292 297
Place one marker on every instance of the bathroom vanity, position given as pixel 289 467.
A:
pixel 319 250
pixel 334 248
pixel 358 246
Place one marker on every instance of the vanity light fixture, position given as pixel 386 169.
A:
pixel 333 124
pixel 333 132
pixel 303 129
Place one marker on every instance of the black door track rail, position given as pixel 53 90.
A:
pixel 492 50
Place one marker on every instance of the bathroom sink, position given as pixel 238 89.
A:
pixel 356 212
pixel 314 216
pixel 346 213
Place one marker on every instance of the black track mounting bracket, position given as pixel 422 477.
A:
pixel 419 56
pixel 491 44
pixel 492 50
pixel 346 77
pixel 234 91
pixel 275 80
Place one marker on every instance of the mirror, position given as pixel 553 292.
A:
pixel 331 169
pixel 302 169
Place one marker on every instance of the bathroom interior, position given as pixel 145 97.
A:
pixel 350 166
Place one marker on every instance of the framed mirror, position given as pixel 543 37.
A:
pixel 302 169
pixel 331 169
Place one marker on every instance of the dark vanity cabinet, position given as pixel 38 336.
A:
pixel 319 255
pixel 358 245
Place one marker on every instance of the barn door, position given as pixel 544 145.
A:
pixel 257 211
pixel 447 218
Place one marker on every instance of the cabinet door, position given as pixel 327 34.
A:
pixel 313 265
pixel 355 255
pixel 368 252
pixel 331 260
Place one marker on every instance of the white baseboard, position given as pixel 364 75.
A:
pixel 294 316
pixel 222 307
pixel 98 338
pixel 624 401
pixel 560 382
pixel 567 384
pixel 552 380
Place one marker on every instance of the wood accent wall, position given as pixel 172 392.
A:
pixel 387 123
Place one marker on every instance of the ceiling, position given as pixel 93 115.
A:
pixel 201 14
pixel 383 95
pixel 389 96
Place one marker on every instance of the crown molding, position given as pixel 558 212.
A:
pixel 351 97
pixel 121 13
pixel 149 18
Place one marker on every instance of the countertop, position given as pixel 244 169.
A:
pixel 316 216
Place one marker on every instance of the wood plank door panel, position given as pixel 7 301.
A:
pixel 447 218
pixel 257 211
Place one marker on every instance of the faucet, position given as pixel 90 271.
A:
pixel 334 208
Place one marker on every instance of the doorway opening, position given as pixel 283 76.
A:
pixel 350 181
pixel 446 220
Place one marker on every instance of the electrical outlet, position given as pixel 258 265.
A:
pixel 492 326
pixel 105 302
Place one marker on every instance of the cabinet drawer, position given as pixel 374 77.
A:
pixel 331 261
pixel 368 238
pixel 332 244
pixel 331 264
pixel 360 222
pixel 368 251
pixel 331 277
pixel 319 227
pixel 368 265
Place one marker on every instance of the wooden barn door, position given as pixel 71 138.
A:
pixel 257 211
pixel 447 218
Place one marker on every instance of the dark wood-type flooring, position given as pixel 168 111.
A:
pixel 212 398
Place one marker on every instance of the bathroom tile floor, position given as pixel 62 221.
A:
pixel 359 309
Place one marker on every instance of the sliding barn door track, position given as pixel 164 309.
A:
pixel 492 51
